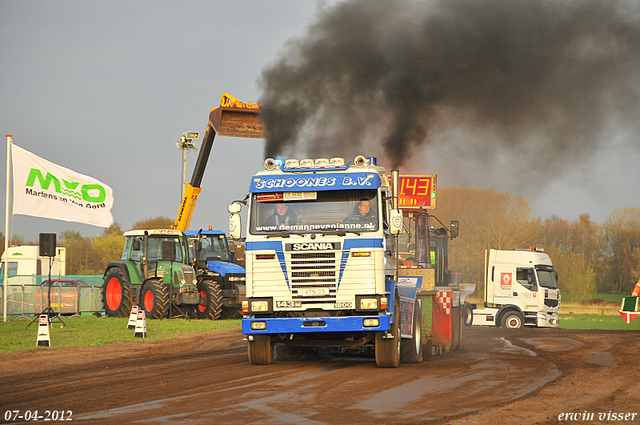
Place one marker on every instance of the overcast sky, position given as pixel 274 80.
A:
pixel 106 88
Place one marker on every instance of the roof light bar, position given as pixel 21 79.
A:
pixel 318 163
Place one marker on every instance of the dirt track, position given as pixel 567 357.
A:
pixel 525 376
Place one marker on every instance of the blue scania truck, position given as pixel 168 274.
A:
pixel 322 261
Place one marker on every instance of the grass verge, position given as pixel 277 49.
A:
pixel 92 331
pixel 86 331
pixel 597 321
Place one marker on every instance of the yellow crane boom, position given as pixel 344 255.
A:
pixel 232 119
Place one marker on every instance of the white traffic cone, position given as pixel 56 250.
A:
pixel 44 338
pixel 133 317
pixel 141 325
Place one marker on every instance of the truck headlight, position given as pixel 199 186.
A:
pixel 369 303
pixel 260 305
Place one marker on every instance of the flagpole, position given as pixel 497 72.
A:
pixel 6 234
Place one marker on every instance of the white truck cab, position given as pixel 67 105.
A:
pixel 520 290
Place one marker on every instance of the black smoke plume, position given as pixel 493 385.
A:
pixel 545 77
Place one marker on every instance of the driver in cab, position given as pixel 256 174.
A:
pixel 362 213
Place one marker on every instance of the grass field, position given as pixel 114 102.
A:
pixel 597 321
pixel 91 331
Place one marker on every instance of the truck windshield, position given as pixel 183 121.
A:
pixel 214 248
pixel 314 212
pixel 546 277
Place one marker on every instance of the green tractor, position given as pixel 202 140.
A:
pixel 155 273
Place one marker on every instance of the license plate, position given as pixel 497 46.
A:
pixel 288 304
pixel 300 196
pixel 313 292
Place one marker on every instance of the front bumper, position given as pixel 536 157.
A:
pixel 548 320
pixel 316 324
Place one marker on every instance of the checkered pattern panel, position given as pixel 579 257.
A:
pixel 444 299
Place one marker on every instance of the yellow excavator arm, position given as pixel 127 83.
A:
pixel 232 119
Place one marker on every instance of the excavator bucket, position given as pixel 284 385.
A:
pixel 236 119
pixel 236 122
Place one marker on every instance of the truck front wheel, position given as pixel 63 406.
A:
pixel 512 320
pixel 210 305
pixel 260 350
pixel 467 314
pixel 154 298
pixel 411 349
pixel 116 293
pixel 388 346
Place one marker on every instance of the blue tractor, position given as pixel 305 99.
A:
pixel 221 281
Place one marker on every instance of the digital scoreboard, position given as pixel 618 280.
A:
pixel 417 191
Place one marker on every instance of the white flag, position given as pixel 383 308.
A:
pixel 44 189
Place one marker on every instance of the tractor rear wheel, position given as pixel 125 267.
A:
pixel 116 293
pixel 154 298
pixel 210 305
pixel 388 349
pixel 260 350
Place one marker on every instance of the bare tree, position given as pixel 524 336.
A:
pixel 488 220
pixel 154 223
pixel 622 231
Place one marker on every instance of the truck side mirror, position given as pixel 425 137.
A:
pixel 395 222
pixel 136 245
pixel 454 228
pixel 235 226
pixel 234 208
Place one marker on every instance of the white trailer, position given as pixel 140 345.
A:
pixel 520 290
pixel 26 261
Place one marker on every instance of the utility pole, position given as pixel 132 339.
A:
pixel 186 143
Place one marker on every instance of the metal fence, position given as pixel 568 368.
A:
pixel 27 296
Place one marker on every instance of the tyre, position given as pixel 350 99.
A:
pixel 512 320
pixel 260 350
pixel 467 315
pixel 230 313
pixel 411 349
pixel 154 299
pixel 388 349
pixel 116 293
pixel 210 305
